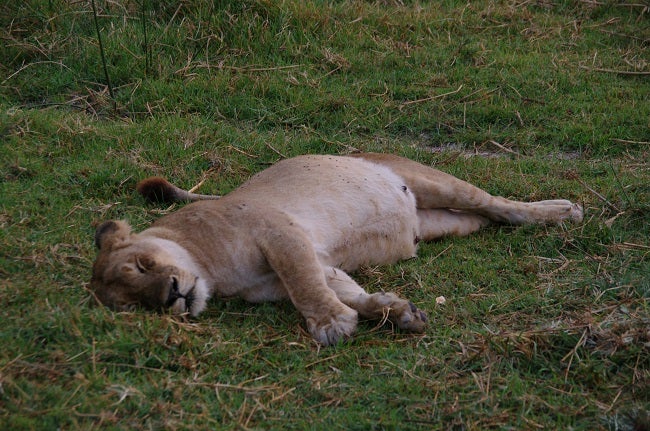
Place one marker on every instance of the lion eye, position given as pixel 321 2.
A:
pixel 145 262
pixel 140 266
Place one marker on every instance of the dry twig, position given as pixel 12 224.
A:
pixel 426 99
pixel 504 148
pixel 619 72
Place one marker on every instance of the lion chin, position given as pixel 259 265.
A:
pixel 294 231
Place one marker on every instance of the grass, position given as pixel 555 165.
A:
pixel 544 327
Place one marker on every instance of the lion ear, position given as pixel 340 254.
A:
pixel 111 232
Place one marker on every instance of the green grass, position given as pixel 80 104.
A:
pixel 544 327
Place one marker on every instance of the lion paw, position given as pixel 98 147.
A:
pixel 402 312
pixel 330 330
pixel 576 213
pixel 411 319
pixel 556 211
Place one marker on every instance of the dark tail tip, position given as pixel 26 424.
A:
pixel 157 189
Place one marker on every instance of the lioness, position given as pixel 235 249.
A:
pixel 294 231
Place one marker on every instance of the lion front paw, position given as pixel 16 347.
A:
pixel 402 312
pixel 333 328
pixel 414 320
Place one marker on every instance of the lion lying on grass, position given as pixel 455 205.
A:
pixel 294 231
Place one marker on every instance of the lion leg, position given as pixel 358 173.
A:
pixel 437 223
pixel 375 305
pixel 291 255
pixel 435 189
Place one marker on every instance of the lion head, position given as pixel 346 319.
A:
pixel 133 270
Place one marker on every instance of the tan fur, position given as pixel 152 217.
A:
pixel 292 231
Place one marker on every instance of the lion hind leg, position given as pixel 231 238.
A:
pixel 434 189
pixel 376 305
pixel 437 223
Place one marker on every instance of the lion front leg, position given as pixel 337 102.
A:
pixel 329 320
pixel 292 257
pixel 376 305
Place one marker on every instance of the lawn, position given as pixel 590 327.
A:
pixel 544 327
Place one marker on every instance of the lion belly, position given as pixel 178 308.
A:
pixel 368 231
pixel 356 212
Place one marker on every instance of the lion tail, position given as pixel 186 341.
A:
pixel 157 189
